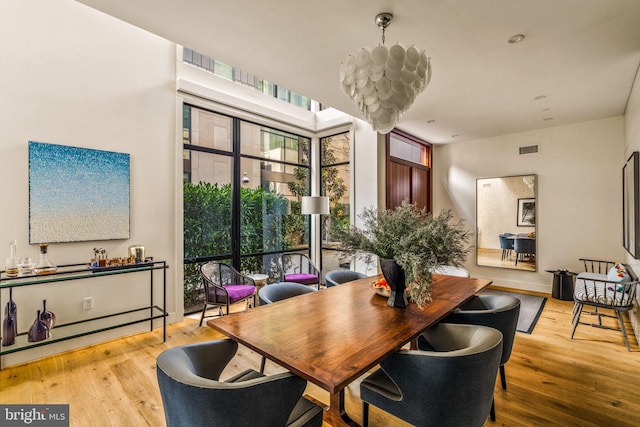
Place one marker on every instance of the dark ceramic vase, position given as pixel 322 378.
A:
pixel 47 317
pixel 10 322
pixel 38 331
pixel 395 277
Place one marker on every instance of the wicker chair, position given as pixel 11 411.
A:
pixel 298 268
pixel 595 288
pixel 224 285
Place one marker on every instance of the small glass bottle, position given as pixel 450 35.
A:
pixel 44 266
pixel 11 263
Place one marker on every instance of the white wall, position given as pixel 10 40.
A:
pixel 632 140
pixel 74 76
pixel 579 193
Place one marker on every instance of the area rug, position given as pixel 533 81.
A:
pixel 530 309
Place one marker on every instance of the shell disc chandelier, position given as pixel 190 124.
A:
pixel 383 82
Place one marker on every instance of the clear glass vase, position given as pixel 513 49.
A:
pixel 12 261
pixel 44 266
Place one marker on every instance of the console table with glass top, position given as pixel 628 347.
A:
pixel 93 325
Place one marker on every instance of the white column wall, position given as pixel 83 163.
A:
pixel 74 76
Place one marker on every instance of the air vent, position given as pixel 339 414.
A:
pixel 529 149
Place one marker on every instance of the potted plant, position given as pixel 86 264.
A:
pixel 414 239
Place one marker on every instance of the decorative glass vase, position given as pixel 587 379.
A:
pixel 44 266
pixel 26 267
pixel 10 322
pixel 8 330
pixel 394 275
pixel 48 317
pixel 12 261
pixel 38 331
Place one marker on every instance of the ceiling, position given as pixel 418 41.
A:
pixel 578 60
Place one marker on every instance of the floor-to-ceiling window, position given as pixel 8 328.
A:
pixel 243 183
pixel 335 178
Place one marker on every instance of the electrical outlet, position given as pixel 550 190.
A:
pixel 87 303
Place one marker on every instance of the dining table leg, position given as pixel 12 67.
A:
pixel 335 414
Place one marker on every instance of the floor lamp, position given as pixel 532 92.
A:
pixel 315 206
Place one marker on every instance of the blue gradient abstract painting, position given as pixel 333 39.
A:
pixel 77 194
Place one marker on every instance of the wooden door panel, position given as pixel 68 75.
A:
pixel 399 184
pixel 420 188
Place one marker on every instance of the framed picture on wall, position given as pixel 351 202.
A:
pixel 526 212
pixel 630 204
pixel 77 194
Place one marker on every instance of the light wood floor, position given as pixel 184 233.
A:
pixel 552 381
pixel 493 258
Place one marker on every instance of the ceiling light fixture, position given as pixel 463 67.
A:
pixel 383 82
pixel 516 38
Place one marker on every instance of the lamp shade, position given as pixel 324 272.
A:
pixel 318 205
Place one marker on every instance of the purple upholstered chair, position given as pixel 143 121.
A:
pixel 298 268
pixel 223 285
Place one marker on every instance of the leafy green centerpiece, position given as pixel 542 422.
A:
pixel 416 240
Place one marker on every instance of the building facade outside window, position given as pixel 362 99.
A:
pixel 245 78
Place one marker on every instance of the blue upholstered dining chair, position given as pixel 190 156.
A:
pixel 297 267
pixel 193 395
pixel 337 277
pixel 224 285
pixel 506 244
pixel 451 384
pixel 496 311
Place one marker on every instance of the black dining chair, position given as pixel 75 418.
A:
pixel 496 311
pixel 451 384
pixel 193 395
pixel 524 247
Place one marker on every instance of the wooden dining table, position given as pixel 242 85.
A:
pixel 336 335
